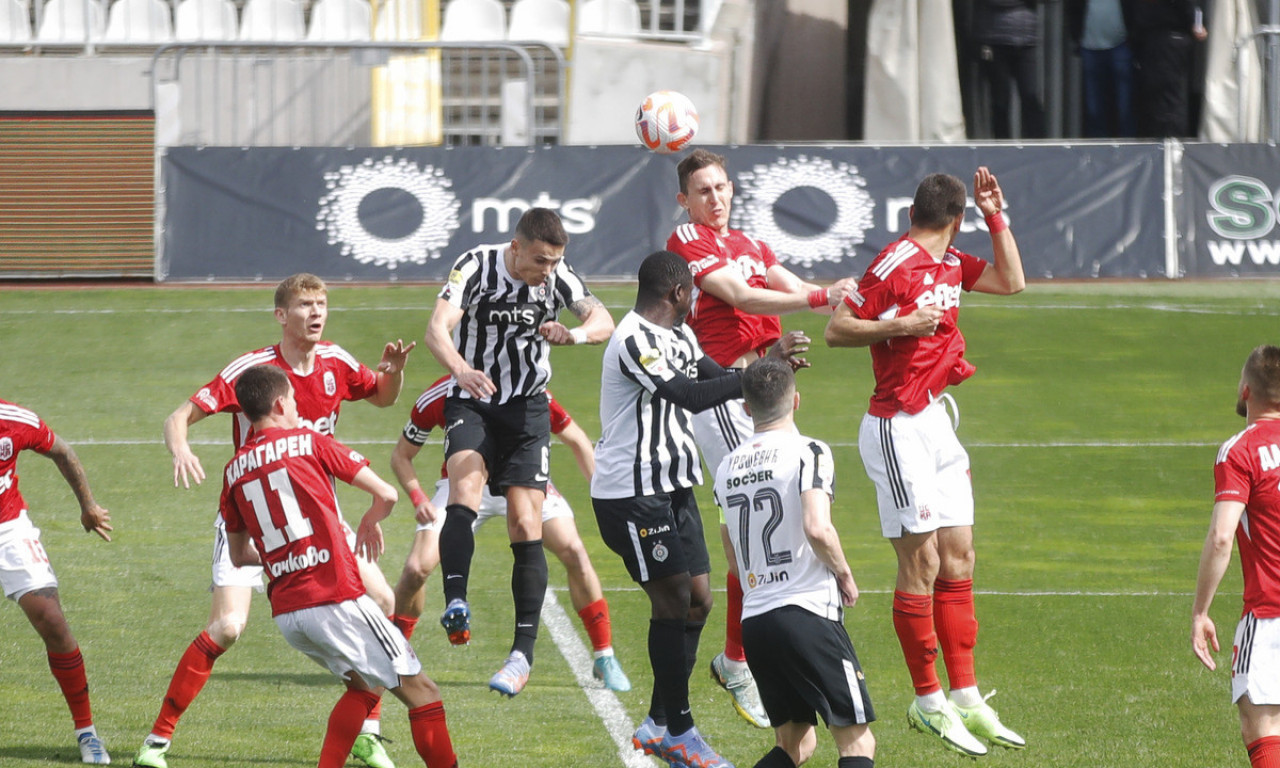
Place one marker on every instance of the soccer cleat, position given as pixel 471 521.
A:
pixel 511 679
pixel 368 749
pixel 151 755
pixel 689 750
pixel 610 671
pixel 456 621
pixel 946 725
pixel 742 686
pixel 648 737
pixel 92 750
pixel 983 722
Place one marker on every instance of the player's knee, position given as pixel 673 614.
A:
pixel 225 630
pixel 807 746
pixel 572 554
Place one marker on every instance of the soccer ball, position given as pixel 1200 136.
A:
pixel 666 122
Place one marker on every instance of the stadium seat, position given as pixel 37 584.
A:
pixel 138 21
pixel 546 21
pixel 205 20
pixel 340 21
pixel 397 20
pixel 474 21
pixel 612 17
pixel 15 24
pixel 272 21
pixel 68 21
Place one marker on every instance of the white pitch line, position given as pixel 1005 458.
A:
pixel 607 707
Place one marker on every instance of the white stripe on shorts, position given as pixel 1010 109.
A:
pixel 635 543
pixel 855 693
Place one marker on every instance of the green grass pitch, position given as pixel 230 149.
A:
pixel 1092 423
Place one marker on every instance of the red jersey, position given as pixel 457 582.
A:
pixel 279 488
pixel 20 429
pixel 428 414
pixel 1248 471
pixel 335 377
pixel 725 332
pixel 910 371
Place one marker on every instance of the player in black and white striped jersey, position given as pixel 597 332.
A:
pixel 654 374
pixel 492 329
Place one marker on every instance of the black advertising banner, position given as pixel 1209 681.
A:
pixel 1228 210
pixel 405 214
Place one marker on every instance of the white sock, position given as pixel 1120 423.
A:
pixel 155 741
pixel 735 667
pixel 966 697
pixel 932 702
pixel 601 654
pixel 371 726
pixel 87 729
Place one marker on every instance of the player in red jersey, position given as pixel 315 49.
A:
pixel 281 512
pixel 905 309
pixel 323 375
pixel 25 572
pixel 740 288
pixel 1247 507
pixel 559 533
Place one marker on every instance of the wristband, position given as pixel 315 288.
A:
pixel 996 223
pixel 417 497
pixel 579 335
pixel 819 298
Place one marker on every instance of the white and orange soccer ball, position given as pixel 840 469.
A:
pixel 666 122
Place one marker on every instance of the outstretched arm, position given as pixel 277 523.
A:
pixel 729 287
pixel 186 465
pixel 93 517
pixel 1214 559
pixel 583 451
pixel 846 329
pixel 1005 277
pixel 402 457
pixel 369 533
pixel 391 373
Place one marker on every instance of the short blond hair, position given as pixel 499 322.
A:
pixel 295 285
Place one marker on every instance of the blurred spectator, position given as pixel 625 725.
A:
pixel 1008 33
pixel 1164 37
pixel 1100 29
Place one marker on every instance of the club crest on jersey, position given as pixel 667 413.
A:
pixel 660 552
pixel 330 384
pixel 6 448
pixel 653 361
pixel 206 397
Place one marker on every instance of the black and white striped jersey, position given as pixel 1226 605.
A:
pixel 646 443
pixel 498 333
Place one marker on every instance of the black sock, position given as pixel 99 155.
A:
pixel 856 762
pixel 666 656
pixel 528 589
pixel 457 545
pixel 692 635
pixel 776 758
pixel 657 712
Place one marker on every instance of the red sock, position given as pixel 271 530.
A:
pixel 1265 752
pixel 913 621
pixel 595 618
pixel 189 678
pixel 375 713
pixel 957 629
pixel 68 670
pixel 733 619
pixel 406 624
pixel 344 725
pixel 431 736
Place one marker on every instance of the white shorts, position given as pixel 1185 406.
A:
pixel 494 506
pixel 227 575
pixel 720 430
pixel 1255 661
pixel 920 471
pixel 24 567
pixel 353 635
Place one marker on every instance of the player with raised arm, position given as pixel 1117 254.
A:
pixel 281 512
pixel 906 309
pixel 324 375
pixel 740 289
pixel 26 575
pixel 775 490
pixel 654 374
pixel 492 329
pixel 559 533
pixel 1246 507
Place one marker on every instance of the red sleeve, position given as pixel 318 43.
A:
pixel 227 507
pixel 702 252
pixel 361 382
pixel 971 268
pixel 218 396
pixel 559 416
pixel 766 253
pixel 339 460
pixel 39 439
pixel 873 297
pixel 1232 477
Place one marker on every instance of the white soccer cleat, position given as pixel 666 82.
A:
pixel 92 750
pixel 742 686
pixel 947 725
pixel 983 722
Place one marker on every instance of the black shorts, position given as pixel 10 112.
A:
pixel 656 536
pixel 513 438
pixel 804 666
